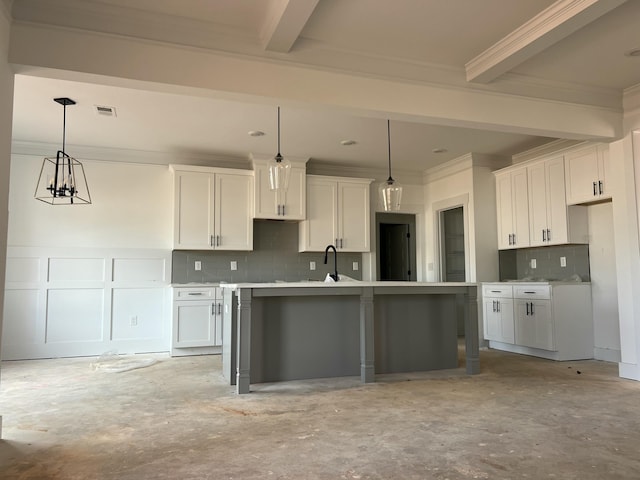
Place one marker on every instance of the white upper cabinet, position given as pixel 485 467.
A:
pixel 338 213
pixel 587 174
pixel 213 209
pixel 289 205
pixel 551 221
pixel 513 209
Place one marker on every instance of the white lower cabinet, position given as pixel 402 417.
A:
pixel 498 313
pixel 197 320
pixel 552 321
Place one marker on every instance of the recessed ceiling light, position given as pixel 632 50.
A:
pixel 633 53
pixel 256 133
pixel 346 143
pixel 439 150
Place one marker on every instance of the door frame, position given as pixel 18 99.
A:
pixel 438 208
pixel 398 219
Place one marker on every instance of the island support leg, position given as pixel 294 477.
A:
pixel 471 340
pixel 243 360
pixel 367 368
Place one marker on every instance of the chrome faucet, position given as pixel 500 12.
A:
pixel 335 261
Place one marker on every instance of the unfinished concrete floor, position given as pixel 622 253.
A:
pixel 522 417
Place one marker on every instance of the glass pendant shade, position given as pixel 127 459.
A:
pixel 279 168
pixel 391 194
pixel 390 191
pixel 279 173
pixel 62 180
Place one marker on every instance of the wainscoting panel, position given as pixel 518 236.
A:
pixel 75 315
pixel 64 302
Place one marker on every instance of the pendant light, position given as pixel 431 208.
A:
pixel 279 168
pixel 390 191
pixel 62 180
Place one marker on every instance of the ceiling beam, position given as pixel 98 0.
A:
pixel 285 21
pixel 556 22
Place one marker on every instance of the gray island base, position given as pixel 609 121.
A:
pixel 301 330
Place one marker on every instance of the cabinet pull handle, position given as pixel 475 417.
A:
pixel 283 214
pixel 510 241
pixel 527 303
pixel 211 243
pixel 217 240
pixel 548 235
pixel 498 305
pixel 595 186
pixel 195 293
pixel 532 312
pixel 600 187
pixel 337 244
pixel 219 309
pixel 278 208
pixel 495 291
pixel 514 238
pixel 544 235
pixel 213 309
pixel 494 305
pixel 342 243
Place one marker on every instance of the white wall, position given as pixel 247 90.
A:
pixel 86 279
pixel 132 208
pixel 604 291
pixel 625 160
pixel 6 116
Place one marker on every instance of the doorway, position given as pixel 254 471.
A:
pixel 396 246
pixel 452 245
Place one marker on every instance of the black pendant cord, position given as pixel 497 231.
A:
pixel 278 156
pixel 390 179
pixel 64 125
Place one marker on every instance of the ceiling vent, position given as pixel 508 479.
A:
pixel 105 111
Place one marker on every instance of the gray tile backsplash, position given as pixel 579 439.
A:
pixel 274 257
pixel 516 264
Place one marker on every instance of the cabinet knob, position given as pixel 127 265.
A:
pixel 595 191
pixel 600 187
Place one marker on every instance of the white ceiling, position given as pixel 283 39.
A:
pixel 417 40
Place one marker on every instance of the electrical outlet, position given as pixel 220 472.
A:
pixel 533 263
pixel 133 321
pixel 312 265
pixel 355 266
pixel 198 265
pixel 234 265
pixel 563 261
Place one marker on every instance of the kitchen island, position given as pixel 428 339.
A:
pixel 299 330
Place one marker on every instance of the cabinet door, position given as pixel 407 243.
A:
pixel 289 205
pixel 193 210
pixel 321 226
pixel 233 212
pixel 604 172
pixel 217 317
pixel 534 324
pixel 266 203
pixel 193 324
pixel 556 202
pixel 294 200
pixel 498 318
pixel 537 204
pixel 581 170
pixel 520 189
pixel 504 205
pixel 353 217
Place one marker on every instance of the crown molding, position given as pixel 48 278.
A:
pixel 554 23
pixel 122 155
pixel 551 148
pixel 631 101
pixel 446 169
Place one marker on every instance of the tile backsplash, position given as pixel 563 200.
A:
pixel 274 257
pixel 516 264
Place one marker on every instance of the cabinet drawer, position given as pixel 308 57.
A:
pixel 532 291
pixel 194 293
pixel 495 290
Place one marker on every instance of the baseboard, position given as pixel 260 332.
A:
pixel 629 370
pixel 606 354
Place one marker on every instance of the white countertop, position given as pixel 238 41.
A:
pixel 344 284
